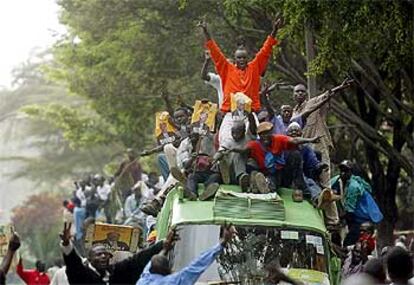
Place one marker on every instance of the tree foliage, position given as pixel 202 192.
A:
pixel 122 55
pixel 38 221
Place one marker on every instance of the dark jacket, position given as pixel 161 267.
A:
pixel 127 271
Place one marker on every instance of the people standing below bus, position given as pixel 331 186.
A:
pixel 130 165
pixel 14 245
pixel 356 201
pixel 399 266
pixel 35 276
pixel 354 263
pixel 158 270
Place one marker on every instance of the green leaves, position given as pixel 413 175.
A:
pixel 78 127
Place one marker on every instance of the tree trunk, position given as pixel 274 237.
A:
pixel 310 55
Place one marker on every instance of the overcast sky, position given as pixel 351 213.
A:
pixel 25 25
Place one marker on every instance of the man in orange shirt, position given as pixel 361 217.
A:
pixel 242 76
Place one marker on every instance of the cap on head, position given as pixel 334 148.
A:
pixel 286 107
pixel 293 126
pixel 264 127
pixel 345 165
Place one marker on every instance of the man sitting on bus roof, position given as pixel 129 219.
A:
pixel 267 156
pixel 312 167
pixel 232 164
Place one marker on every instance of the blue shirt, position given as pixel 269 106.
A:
pixel 279 127
pixel 186 276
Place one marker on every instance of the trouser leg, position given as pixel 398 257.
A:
pixel 292 173
pixel 252 165
pixel 193 179
pixel 212 178
pixel 163 165
pixel 238 164
pixel 225 127
pixel 171 155
pixel 312 188
pixel 353 230
pixel 79 216
pixel 325 175
pixel 331 214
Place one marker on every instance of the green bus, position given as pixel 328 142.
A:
pixel 271 228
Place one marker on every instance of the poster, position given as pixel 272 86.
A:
pixel 204 117
pixel 4 239
pixel 241 102
pixel 165 132
pixel 113 237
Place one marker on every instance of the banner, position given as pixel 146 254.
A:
pixel 241 102
pixel 204 117
pixel 113 237
pixel 165 132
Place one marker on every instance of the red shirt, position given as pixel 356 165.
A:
pixel 369 240
pixel 32 276
pixel 235 80
pixel 280 143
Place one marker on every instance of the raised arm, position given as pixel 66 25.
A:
pixel 204 73
pixel 206 33
pixel 252 124
pixel 325 97
pixel 220 61
pixel 262 57
pixel 300 140
pixel 264 94
pixel 24 274
pixel 14 244
pixel 191 273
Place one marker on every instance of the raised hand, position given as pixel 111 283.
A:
pixel 65 236
pixel 203 25
pixel 228 233
pixel 317 139
pixel 172 237
pixel 207 55
pixel 277 24
pixel 14 242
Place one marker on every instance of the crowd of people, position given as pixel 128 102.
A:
pixel 246 143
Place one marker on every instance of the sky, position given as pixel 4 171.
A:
pixel 24 26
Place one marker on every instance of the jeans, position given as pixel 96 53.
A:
pixel 163 166
pixel 353 230
pixel 312 188
pixel 79 215
pixel 291 175
pixel 206 177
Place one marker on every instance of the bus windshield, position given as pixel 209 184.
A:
pixel 244 258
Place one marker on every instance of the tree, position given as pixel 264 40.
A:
pixel 123 54
pixel 58 136
pixel 354 39
pixel 38 220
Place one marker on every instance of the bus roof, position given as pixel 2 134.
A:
pixel 177 211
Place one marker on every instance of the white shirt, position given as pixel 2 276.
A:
pixel 103 192
pixel 60 278
pixel 215 82
pixel 80 194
